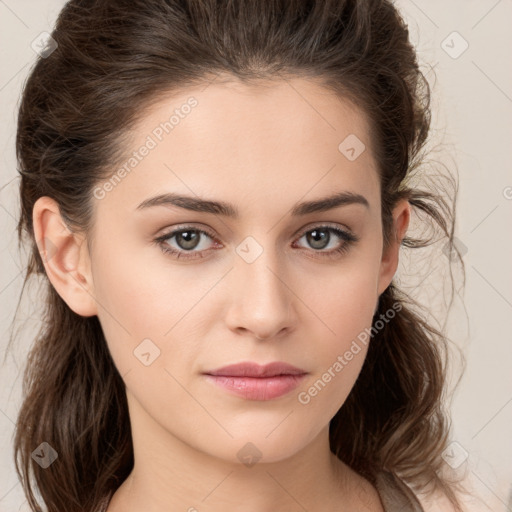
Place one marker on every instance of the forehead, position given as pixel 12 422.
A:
pixel 261 143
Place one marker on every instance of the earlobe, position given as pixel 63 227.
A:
pixel 65 257
pixel 390 256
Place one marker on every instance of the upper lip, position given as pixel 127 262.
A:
pixel 250 369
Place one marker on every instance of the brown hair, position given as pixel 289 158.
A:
pixel 115 57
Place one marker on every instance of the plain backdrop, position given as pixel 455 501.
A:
pixel 464 47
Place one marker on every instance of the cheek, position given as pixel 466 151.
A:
pixel 343 301
pixel 148 291
pixel 131 303
pixel 160 302
pixel 344 307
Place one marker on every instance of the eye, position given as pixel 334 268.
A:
pixel 320 237
pixel 189 240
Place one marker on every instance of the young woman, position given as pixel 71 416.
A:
pixel 217 193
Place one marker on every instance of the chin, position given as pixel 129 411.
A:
pixel 251 449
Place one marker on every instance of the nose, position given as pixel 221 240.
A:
pixel 261 300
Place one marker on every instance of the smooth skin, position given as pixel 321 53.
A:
pixel 262 149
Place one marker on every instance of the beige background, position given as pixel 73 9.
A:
pixel 472 130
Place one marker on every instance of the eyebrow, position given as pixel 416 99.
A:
pixel 197 204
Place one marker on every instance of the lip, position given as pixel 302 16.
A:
pixel 257 382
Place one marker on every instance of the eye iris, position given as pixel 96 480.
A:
pixel 188 240
pixel 314 237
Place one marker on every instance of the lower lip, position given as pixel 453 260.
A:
pixel 258 388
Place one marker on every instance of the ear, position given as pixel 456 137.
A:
pixel 389 263
pixel 65 256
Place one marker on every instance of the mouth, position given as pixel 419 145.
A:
pixel 252 381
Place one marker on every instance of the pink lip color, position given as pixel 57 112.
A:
pixel 258 388
pixel 254 382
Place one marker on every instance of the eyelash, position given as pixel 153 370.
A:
pixel 348 237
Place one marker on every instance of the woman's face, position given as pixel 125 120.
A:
pixel 267 284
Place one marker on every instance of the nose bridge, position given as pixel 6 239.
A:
pixel 261 298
